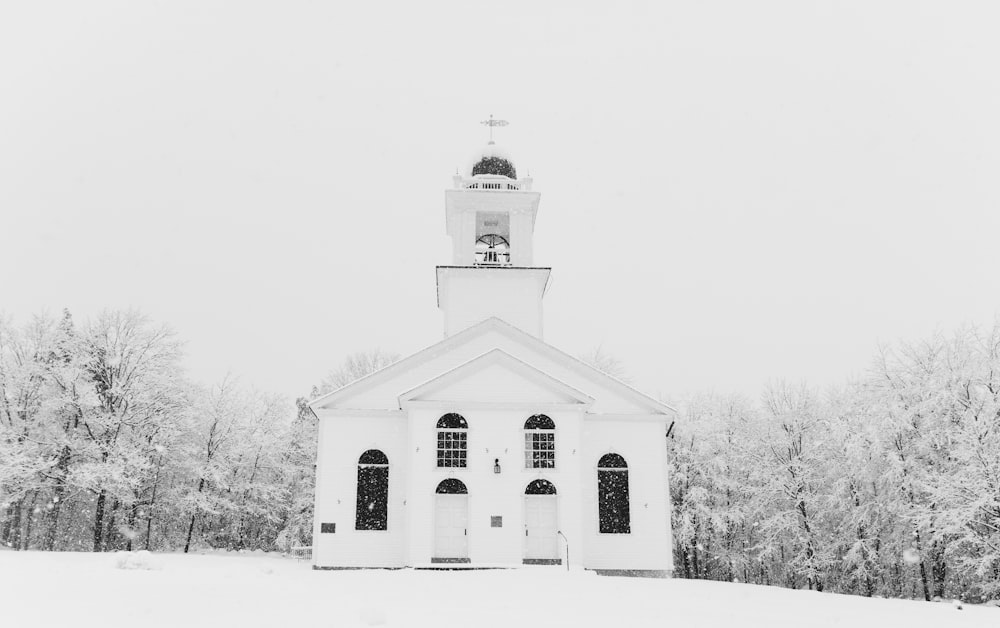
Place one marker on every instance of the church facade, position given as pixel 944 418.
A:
pixel 492 448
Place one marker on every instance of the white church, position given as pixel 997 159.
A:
pixel 491 448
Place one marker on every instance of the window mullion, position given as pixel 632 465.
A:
pixel 453 448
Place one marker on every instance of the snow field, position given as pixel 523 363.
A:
pixel 82 589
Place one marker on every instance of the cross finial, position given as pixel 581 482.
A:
pixel 493 123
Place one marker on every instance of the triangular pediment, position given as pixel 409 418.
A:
pixel 496 377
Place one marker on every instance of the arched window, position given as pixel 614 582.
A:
pixel 492 250
pixel 373 491
pixel 452 486
pixel 539 443
pixel 612 494
pixel 453 443
pixel 540 487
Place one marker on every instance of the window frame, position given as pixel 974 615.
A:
pixel 457 436
pixel 368 477
pixel 615 475
pixel 535 455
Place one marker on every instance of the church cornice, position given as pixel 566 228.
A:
pixel 547 270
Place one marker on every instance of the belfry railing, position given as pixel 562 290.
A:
pixel 493 183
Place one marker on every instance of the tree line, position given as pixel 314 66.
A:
pixel 886 486
pixel 105 444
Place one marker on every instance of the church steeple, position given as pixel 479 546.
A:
pixel 491 220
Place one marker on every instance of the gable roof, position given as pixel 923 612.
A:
pixel 486 369
pixel 469 335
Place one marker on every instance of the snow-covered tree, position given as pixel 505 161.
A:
pixel 134 367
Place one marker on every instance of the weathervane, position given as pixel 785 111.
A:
pixel 493 123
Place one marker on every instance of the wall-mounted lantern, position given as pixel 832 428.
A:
pixel 496 465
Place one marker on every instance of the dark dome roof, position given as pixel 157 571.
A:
pixel 493 160
pixel 494 165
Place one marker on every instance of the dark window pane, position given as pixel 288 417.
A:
pixel 452 486
pixel 540 487
pixel 452 420
pixel 613 501
pixel 539 448
pixel 612 461
pixel 372 512
pixel 539 422
pixel 373 456
pixel 452 447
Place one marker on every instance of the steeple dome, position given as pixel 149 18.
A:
pixel 492 160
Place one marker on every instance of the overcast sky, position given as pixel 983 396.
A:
pixel 732 192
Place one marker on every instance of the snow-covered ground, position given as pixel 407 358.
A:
pixel 187 591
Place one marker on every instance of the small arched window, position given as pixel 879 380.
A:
pixel 612 495
pixel 492 250
pixel 372 511
pixel 540 487
pixel 453 441
pixel 539 443
pixel 452 486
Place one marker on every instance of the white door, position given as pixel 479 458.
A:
pixel 541 526
pixel 451 538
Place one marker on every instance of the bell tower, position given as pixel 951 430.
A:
pixel 490 216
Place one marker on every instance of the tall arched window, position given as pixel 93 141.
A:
pixel 612 494
pixel 539 443
pixel 373 491
pixel 453 441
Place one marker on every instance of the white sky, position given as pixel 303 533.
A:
pixel 731 191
